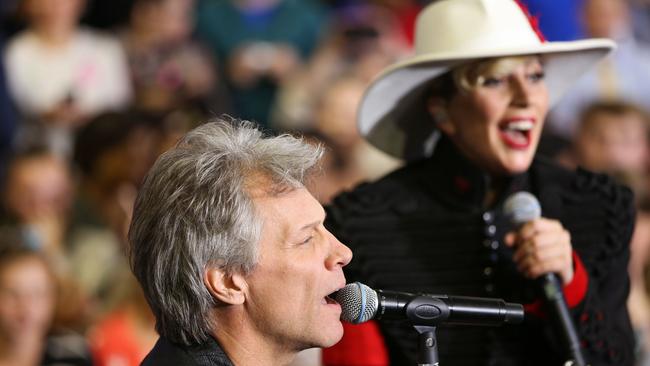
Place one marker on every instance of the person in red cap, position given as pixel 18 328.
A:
pixel 466 113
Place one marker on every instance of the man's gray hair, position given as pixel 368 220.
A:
pixel 194 211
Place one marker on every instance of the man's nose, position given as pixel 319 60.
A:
pixel 340 254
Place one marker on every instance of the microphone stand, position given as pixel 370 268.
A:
pixel 557 306
pixel 427 346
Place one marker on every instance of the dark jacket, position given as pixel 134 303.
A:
pixel 166 353
pixel 424 229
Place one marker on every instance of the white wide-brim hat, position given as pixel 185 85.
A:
pixel 449 33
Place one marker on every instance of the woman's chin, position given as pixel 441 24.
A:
pixel 514 169
pixel 515 165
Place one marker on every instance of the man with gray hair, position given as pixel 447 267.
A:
pixel 231 251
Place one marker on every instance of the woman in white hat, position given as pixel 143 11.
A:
pixel 467 113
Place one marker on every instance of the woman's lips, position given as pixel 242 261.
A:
pixel 516 133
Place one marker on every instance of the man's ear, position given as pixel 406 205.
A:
pixel 437 108
pixel 226 288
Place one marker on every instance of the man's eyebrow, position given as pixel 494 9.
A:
pixel 313 224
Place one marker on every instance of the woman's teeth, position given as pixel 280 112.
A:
pixel 520 126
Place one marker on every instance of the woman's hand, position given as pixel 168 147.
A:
pixel 542 246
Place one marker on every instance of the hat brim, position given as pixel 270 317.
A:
pixel 389 117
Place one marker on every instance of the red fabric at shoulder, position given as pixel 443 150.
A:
pixel 361 345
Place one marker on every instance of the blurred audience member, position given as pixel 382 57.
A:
pixel 623 75
pixel 173 126
pixel 612 138
pixel 28 301
pixel 406 12
pixel 640 10
pixel 349 159
pixel 125 336
pixel 61 74
pixel 364 38
pixel 168 69
pixel 260 43
pixel 37 197
pixel 112 152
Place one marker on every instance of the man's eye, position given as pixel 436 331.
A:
pixel 308 240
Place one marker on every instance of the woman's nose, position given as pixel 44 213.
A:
pixel 521 90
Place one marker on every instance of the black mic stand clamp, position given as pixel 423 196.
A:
pixel 427 346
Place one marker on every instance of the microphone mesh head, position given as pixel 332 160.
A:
pixel 522 207
pixel 358 302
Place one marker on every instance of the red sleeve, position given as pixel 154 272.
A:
pixel 361 345
pixel 575 291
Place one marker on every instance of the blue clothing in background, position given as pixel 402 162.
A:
pixel 559 20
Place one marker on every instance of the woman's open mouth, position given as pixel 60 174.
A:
pixel 516 134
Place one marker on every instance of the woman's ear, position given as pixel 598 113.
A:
pixel 437 108
pixel 226 288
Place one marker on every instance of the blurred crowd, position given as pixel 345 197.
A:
pixel 92 91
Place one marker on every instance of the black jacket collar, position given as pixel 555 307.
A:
pixel 458 182
pixel 166 353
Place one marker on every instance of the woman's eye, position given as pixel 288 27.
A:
pixel 492 81
pixel 537 76
pixel 307 240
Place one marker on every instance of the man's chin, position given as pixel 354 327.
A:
pixel 329 336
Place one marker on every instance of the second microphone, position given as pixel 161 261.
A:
pixel 360 303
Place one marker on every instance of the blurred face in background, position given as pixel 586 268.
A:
pixel 53 14
pixel 27 298
pixel 168 20
pixel 613 143
pixel 605 18
pixel 337 110
pixel 37 187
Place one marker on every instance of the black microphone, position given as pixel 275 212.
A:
pixel 521 208
pixel 360 303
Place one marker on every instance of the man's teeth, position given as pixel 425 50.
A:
pixel 521 126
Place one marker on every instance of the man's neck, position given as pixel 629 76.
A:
pixel 246 346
